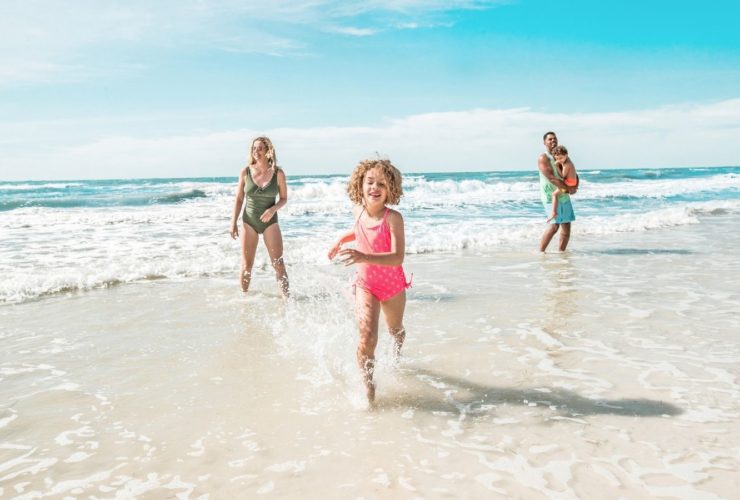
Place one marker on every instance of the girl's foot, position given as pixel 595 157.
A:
pixel 367 378
pixel 399 335
pixel 284 287
pixel 370 391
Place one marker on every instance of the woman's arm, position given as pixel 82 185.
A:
pixel 282 197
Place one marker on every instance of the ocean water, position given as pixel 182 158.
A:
pixel 133 367
pixel 80 235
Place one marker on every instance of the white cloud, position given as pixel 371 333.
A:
pixel 55 35
pixel 482 139
pixel 258 43
pixel 348 30
pixel 40 72
pixel 414 7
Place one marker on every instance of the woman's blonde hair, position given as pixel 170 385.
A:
pixel 391 173
pixel 270 155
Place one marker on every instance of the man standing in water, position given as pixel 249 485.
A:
pixel 550 180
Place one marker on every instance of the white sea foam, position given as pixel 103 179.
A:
pixel 657 188
pixel 34 187
pixel 46 251
pixel 422 193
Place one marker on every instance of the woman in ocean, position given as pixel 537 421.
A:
pixel 380 248
pixel 260 183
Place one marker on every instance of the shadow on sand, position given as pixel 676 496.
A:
pixel 466 397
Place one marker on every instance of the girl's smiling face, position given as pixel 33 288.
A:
pixel 374 187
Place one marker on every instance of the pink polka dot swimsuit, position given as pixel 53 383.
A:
pixel 383 282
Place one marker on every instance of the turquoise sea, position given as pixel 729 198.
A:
pixel 77 235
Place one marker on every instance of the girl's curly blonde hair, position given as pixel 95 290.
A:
pixel 391 173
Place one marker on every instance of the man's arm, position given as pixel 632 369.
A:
pixel 543 163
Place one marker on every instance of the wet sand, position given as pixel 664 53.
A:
pixel 611 371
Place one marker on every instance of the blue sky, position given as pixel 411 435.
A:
pixel 95 88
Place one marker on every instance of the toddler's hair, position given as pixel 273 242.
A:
pixel 391 173
pixel 559 150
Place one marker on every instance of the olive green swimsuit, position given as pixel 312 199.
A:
pixel 257 201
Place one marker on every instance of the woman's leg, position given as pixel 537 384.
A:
pixel 249 239
pixel 274 243
pixel 367 309
pixel 393 310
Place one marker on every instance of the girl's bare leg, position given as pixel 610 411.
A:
pixel 274 242
pixel 393 310
pixel 367 309
pixel 249 239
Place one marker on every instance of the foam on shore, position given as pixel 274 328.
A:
pixel 610 370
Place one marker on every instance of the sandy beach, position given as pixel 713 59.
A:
pixel 157 158
pixel 610 371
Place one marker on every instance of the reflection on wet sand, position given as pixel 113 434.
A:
pixel 561 294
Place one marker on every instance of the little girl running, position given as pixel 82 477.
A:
pixel 381 282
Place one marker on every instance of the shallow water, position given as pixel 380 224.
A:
pixel 608 371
